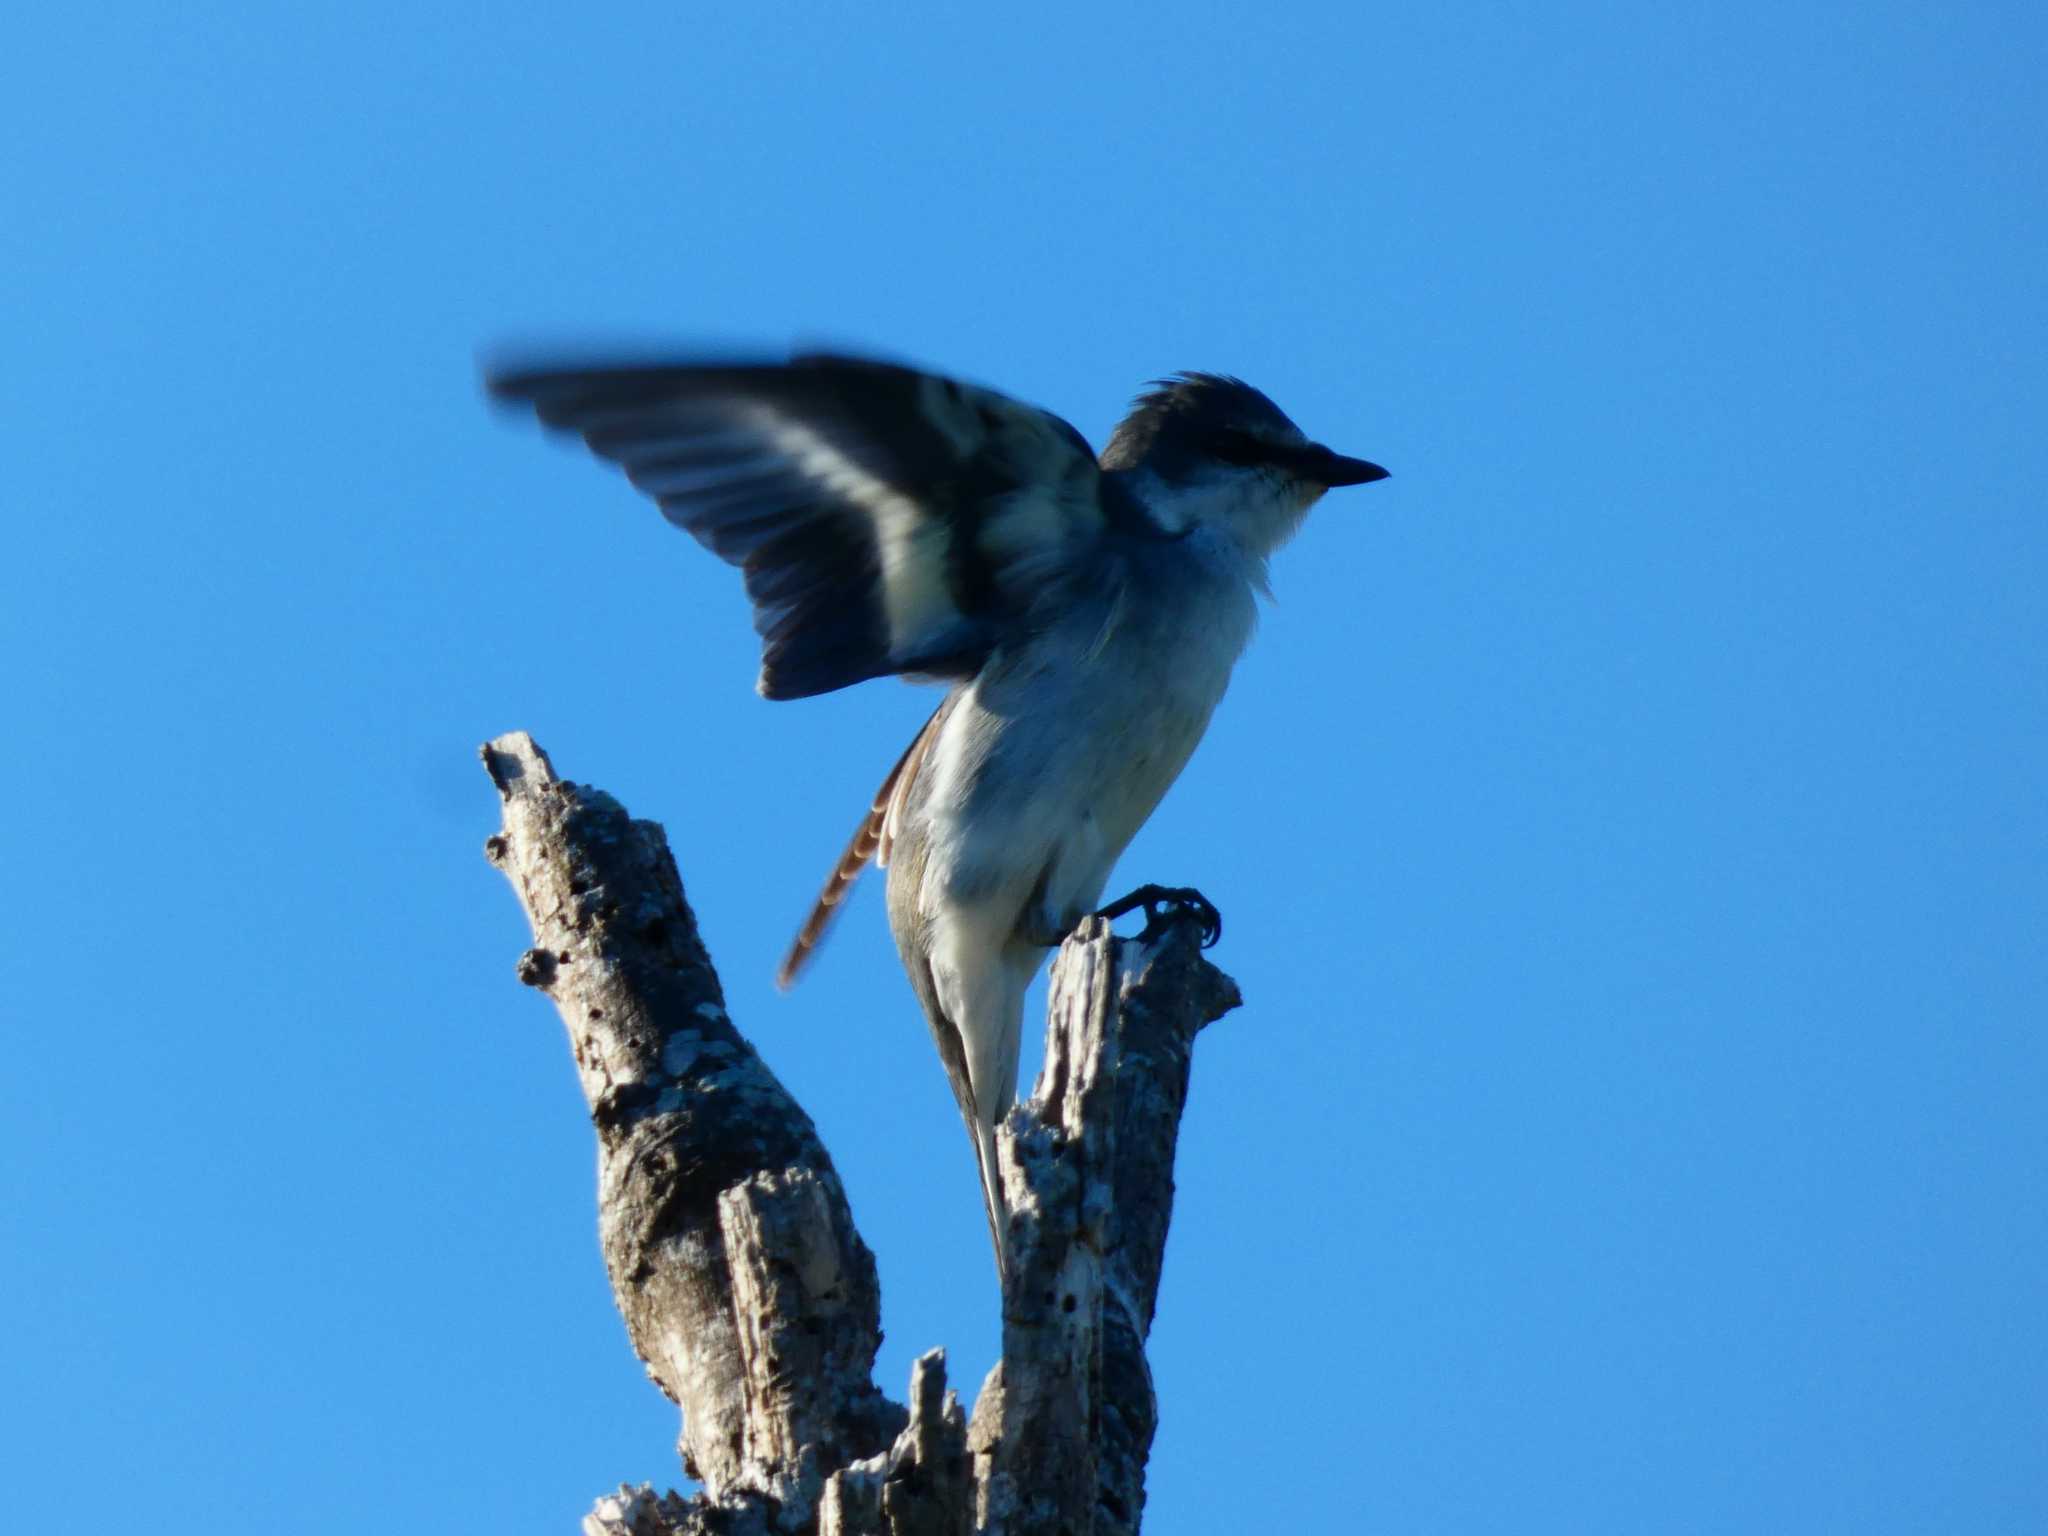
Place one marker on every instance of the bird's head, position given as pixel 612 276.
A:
pixel 1205 450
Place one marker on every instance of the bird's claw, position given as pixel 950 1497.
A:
pixel 1166 904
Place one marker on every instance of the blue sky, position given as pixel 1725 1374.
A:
pixel 1628 820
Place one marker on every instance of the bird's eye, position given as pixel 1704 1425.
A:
pixel 1234 447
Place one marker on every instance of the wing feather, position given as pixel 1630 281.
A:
pixel 886 520
pixel 871 841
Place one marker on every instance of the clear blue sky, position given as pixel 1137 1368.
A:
pixel 1629 819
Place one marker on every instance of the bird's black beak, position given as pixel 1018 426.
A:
pixel 1327 468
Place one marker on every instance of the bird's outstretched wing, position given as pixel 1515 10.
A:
pixel 887 520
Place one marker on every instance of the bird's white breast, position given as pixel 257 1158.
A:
pixel 1060 750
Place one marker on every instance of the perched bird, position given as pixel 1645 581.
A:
pixel 1085 612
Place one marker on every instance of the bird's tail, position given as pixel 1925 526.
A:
pixel 984 1095
pixel 984 1134
pixel 970 976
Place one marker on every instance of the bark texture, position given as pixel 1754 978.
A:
pixel 745 1287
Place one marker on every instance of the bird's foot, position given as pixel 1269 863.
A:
pixel 1166 904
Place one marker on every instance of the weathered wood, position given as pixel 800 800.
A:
pixel 733 1255
pixel 711 1179
pixel 1065 1421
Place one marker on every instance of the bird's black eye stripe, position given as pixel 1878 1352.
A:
pixel 1237 447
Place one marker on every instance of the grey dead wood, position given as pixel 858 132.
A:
pixel 745 1287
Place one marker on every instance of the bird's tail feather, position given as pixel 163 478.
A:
pixel 992 1200
pixel 981 1127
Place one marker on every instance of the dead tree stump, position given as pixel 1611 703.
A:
pixel 746 1288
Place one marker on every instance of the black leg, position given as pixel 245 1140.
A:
pixel 1165 904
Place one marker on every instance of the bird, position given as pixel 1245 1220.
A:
pixel 1083 612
